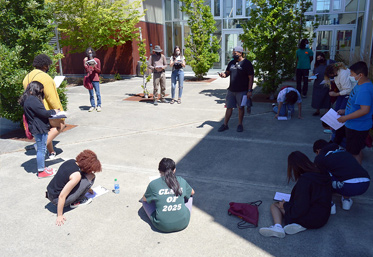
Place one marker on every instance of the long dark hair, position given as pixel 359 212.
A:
pixel 168 166
pixel 318 63
pixel 302 44
pixel 35 88
pixel 93 52
pixel 174 52
pixel 298 163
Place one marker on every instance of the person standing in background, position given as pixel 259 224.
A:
pixel 51 101
pixel 158 64
pixel 92 66
pixel 177 63
pixel 304 58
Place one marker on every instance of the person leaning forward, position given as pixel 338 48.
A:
pixel 241 74
pixel 158 64
pixel 51 100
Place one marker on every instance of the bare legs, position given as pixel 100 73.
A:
pixel 56 129
pixel 277 213
pixel 228 114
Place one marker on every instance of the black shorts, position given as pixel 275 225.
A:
pixel 355 140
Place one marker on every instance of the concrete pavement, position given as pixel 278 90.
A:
pixel 130 138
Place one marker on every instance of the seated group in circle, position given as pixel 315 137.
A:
pixel 310 205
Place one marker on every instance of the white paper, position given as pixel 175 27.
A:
pixel 330 118
pixel 282 118
pixel 59 115
pixel 58 80
pixel 91 62
pixel 97 191
pixel 281 196
pixel 322 82
pixel 244 100
pixel 313 77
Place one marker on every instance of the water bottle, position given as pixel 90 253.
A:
pixel 116 186
pixel 289 114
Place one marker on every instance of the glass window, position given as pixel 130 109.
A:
pixel 184 15
pixel 228 9
pixel 186 33
pixel 233 23
pixel 322 6
pixel 177 35
pixel 218 34
pixel 337 5
pixel 335 19
pixel 216 7
pixel 238 7
pixel 248 7
pixel 176 9
pixel 362 5
pixel 167 10
pixel 168 39
pixel 351 5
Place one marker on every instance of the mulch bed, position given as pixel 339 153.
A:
pixel 263 98
pixel 194 79
pixel 140 98
pixel 19 134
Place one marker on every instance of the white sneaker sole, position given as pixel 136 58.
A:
pixel 82 204
pixel 268 233
pixel 292 229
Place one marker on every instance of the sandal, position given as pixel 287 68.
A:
pixel 172 101
pixel 179 101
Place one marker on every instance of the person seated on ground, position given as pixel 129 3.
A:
pixel 358 112
pixel 168 199
pixel 73 180
pixel 286 99
pixel 310 200
pixel 349 178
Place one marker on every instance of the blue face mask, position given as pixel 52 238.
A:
pixel 307 45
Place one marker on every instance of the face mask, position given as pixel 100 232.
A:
pixel 236 57
pixel 158 53
pixel 178 52
pixel 353 79
pixel 307 45
pixel 90 56
pixel 47 70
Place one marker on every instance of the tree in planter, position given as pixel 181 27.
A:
pixel 27 29
pixel 144 66
pixel 272 34
pixel 201 48
pixel 97 24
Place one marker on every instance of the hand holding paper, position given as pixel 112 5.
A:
pixel 331 118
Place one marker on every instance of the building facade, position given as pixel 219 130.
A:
pixel 344 31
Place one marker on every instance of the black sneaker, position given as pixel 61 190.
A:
pixel 81 202
pixel 222 128
pixel 155 102
pixel 239 128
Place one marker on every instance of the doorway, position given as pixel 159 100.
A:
pixel 336 42
pixel 230 40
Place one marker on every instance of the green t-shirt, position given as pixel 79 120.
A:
pixel 171 214
pixel 304 61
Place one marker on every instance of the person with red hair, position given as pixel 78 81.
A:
pixel 72 181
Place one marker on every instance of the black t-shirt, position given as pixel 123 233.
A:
pixel 239 75
pixel 339 163
pixel 62 178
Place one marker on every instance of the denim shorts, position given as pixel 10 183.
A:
pixel 234 99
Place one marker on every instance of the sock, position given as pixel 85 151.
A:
pixel 278 226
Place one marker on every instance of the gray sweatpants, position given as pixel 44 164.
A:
pixel 77 193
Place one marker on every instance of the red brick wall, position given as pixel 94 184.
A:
pixel 120 59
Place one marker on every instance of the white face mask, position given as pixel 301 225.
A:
pixel 178 52
pixel 353 79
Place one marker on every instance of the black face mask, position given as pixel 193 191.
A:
pixel 47 70
pixel 158 53
pixel 236 57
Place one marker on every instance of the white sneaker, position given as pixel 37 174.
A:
pixel 346 203
pixel 52 156
pixel 98 108
pixel 293 228
pixel 91 109
pixel 333 209
pixel 272 231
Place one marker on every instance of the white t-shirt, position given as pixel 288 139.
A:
pixel 283 92
pixel 178 58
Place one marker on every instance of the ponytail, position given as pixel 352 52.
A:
pixel 167 166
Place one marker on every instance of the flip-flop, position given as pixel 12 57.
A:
pixel 179 101
pixel 172 101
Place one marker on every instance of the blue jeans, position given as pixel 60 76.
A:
pixel 177 75
pixel 41 144
pixel 284 109
pixel 341 102
pixel 96 87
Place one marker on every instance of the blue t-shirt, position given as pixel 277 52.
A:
pixel 360 95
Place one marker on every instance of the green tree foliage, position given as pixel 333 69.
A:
pixel 96 23
pixel 272 34
pixel 201 47
pixel 27 29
